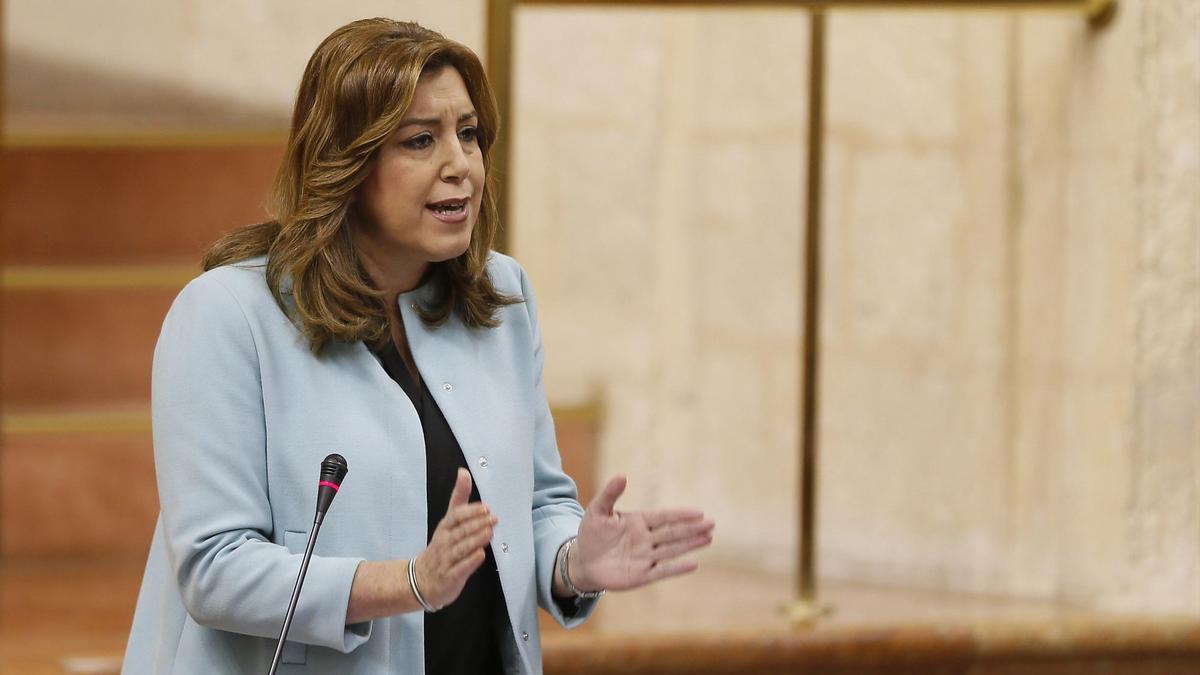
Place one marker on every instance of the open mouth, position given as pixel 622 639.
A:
pixel 448 207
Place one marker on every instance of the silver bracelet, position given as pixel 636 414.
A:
pixel 412 582
pixel 563 552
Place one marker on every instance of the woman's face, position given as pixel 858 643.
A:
pixel 421 200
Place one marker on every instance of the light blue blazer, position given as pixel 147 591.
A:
pixel 243 414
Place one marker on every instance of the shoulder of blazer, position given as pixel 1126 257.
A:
pixel 507 275
pixel 246 280
pixel 235 295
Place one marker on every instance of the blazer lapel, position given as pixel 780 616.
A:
pixel 451 359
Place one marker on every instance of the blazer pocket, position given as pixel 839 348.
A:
pixel 294 652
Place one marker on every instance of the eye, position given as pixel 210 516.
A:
pixel 419 142
pixel 468 134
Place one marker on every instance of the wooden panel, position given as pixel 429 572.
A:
pixel 577 433
pixel 100 205
pixel 72 347
pixel 76 494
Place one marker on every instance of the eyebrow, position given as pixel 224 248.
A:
pixel 433 121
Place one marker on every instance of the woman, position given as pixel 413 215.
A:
pixel 370 318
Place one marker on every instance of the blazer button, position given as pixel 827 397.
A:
pixel 483 462
pixel 503 548
pixel 524 636
pixel 413 306
pixel 447 386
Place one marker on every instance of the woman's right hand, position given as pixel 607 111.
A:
pixel 457 547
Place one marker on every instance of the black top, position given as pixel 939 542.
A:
pixel 461 638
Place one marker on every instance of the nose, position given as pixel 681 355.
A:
pixel 455 165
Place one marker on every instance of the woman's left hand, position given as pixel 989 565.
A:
pixel 620 550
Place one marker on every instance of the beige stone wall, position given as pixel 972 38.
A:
pixel 1015 380
pixel 1163 517
pixel 1011 371
pixel 913 424
pixel 120 66
pixel 656 209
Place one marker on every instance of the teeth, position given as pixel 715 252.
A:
pixel 446 208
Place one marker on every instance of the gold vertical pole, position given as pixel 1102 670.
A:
pixel 806 607
pixel 500 72
pixel 3 159
pixel 1100 13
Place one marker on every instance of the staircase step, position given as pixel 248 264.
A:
pixel 77 205
pixel 81 482
pixel 77 492
pixel 79 346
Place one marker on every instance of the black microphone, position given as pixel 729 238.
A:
pixel 333 471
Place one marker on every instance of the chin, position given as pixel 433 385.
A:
pixel 450 251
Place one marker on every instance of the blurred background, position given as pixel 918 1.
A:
pixel 1010 300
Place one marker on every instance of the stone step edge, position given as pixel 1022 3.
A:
pixel 132 139
pixel 97 277
pixel 81 421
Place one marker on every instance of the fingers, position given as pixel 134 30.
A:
pixel 464 519
pixel 459 510
pixel 661 517
pixel 678 538
pixel 467 541
pixel 457 547
pixel 680 547
pixel 604 502
pixel 467 566
pixel 671 532
pixel 463 531
pixel 671 568
pixel 461 493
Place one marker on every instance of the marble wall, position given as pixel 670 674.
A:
pixel 138 66
pixel 656 208
pixel 1011 356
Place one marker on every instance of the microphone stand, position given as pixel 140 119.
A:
pixel 287 621
pixel 333 470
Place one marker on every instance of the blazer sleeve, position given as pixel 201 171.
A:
pixel 556 509
pixel 210 460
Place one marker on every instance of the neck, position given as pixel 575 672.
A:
pixel 394 280
pixel 392 274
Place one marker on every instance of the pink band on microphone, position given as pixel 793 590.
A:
pixel 326 483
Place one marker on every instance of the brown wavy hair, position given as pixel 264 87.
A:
pixel 356 89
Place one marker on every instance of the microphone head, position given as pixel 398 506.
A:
pixel 334 468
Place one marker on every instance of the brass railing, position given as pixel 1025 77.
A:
pixel 500 15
